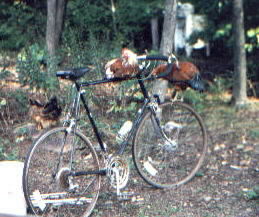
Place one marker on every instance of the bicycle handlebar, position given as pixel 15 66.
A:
pixel 153 57
pixel 168 59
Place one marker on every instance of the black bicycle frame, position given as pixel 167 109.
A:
pixel 91 119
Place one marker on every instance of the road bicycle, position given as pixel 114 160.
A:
pixel 63 170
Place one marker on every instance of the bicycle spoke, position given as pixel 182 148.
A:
pixel 61 194
pixel 171 153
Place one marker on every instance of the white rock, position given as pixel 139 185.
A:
pixel 12 200
pixel 207 198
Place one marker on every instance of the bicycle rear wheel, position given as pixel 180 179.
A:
pixel 48 187
pixel 170 154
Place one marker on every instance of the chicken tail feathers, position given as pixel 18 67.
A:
pixel 197 83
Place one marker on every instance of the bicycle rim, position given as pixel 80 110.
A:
pixel 48 189
pixel 172 157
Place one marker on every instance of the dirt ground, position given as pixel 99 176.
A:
pixel 226 185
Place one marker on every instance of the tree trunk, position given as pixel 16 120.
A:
pixel 60 19
pixel 154 32
pixel 239 85
pixel 51 23
pixel 166 46
pixel 114 23
pixel 55 14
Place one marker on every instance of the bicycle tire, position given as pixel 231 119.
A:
pixel 167 163
pixel 47 189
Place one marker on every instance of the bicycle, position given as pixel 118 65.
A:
pixel 62 172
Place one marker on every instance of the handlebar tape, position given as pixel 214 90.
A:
pixel 153 57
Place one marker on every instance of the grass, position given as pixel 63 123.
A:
pixel 254 133
pixel 8 150
pixel 251 194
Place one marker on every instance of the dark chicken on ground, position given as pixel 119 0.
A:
pixel 45 115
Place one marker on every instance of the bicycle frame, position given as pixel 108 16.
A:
pixel 147 100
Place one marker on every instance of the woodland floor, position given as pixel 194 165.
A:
pixel 227 184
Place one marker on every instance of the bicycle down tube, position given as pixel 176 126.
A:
pixel 92 121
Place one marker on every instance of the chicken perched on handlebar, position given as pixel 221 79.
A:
pixel 124 66
pixel 182 75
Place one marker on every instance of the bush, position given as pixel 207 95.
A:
pixel 94 52
pixel 5 154
pixel 19 24
pixel 13 109
pixel 31 66
pixel 220 85
pixel 196 99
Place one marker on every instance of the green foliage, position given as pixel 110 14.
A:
pixel 254 133
pixel 219 25
pixel 4 63
pixel 84 15
pixel 220 85
pixel 126 22
pixel 5 144
pixel 20 24
pixel 20 99
pixel 13 107
pixel 252 194
pixel 253 39
pixel 4 73
pixel 31 65
pixel 194 98
pixel 94 52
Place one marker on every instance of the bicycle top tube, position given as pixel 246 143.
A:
pixel 77 73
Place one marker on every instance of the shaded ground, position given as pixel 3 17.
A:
pixel 225 185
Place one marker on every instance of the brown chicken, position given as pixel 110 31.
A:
pixel 45 115
pixel 124 66
pixel 183 75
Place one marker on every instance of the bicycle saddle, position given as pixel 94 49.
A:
pixel 72 74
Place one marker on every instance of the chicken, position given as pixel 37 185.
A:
pixel 45 115
pixel 183 75
pixel 124 66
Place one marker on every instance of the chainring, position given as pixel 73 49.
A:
pixel 117 172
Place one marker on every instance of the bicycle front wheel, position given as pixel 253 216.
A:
pixel 168 152
pixel 48 186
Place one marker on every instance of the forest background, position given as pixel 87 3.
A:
pixel 90 33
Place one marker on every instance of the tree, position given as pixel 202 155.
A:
pixel 239 86
pixel 154 33
pixel 166 46
pixel 55 15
